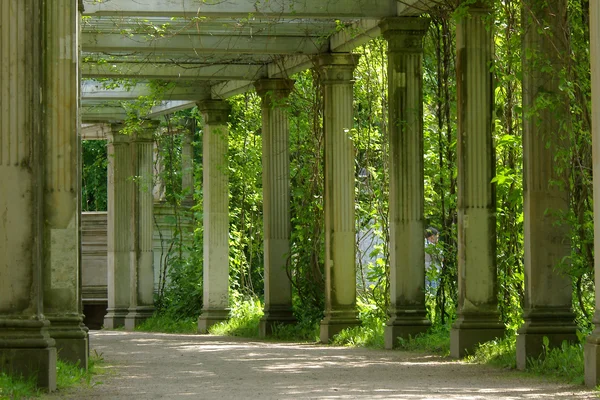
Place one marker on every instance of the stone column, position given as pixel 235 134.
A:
pixel 187 163
pixel 408 315
pixel 141 304
pixel 216 214
pixel 120 182
pixel 478 317
pixel 62 187
pixel 276 202
pixel 592 345
pixel 26 348
pixel 340 242
pixel 548 293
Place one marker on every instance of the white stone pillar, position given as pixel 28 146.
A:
pixel 25 345
pixel 141 305
pixel 276 202
pixel 216 214
pixel 592 345
pixel 120 187
pixel 62 187
pixel 478 317
pixel 336 72
pixel 408 314
pixel 548 293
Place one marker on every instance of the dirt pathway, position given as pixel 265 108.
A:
pixel 167 366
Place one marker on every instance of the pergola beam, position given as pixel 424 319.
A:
pixel 244 8
pixel 93 91
pixel 172 71
pixel 200 44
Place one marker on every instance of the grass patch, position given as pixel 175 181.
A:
pixel 68 375
pixel 498 352
pixel 563 363
pixel 168 324
pixel 436 340
pixel 369 334
pixel 12 387
pixel 244 320
pixel 303 331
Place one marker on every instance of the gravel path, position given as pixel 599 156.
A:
pixel 168 366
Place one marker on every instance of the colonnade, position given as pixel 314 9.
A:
pixel 40 309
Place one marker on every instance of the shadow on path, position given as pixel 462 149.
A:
pixel 170 366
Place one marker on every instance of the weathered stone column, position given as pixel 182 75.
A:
pixel 62 187
pixel 120 187
pixel 548 293
pixel 187 163
pixel 408 315
pixel 141 305
pixel 276 202
pixel 216 214
pixel 25 345
pixel 592 345
pixel 478 317
pixel 340 243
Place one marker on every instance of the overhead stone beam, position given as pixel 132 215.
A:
pixel 199 44
pixel 95 91
pixel 213 26
pixel 93 112
pixel 172 71
pixel 245 8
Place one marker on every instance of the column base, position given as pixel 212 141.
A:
pixel 71 339
pixel 210 317
pixel 27 350
pixel 556 325
pixel 591 356
pixel 115 318
pixel 335 322
pixel 137 315
pixel 405 324
pixel 470 330
pixel 274 316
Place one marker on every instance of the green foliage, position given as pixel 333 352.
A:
pixel 369 334
pixel 244 318
pixel 17 387
pixel 498 352
pixel 68 375
pixel 168 324
pixel 94 175
pixel 436 340
pixel 563 363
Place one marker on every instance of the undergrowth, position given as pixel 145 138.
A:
pixel 68 375
pixel 168 324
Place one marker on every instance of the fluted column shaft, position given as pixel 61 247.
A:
pixel 548 293
pixel 336 74
pixel 216 214
pixel 62 189
pixel 141 304
pixel 592 345
pixel 478 317
pixel 120 189
pixel 276 202
pixel 407 254
pixel 25 345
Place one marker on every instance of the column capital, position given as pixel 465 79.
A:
pixel 116 136
pixel 214 111
pixel 336 67
pixel 146 130
pixel 274 89
pixel 405 34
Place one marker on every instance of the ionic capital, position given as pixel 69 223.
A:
pixel 405 34
pixel 214 112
